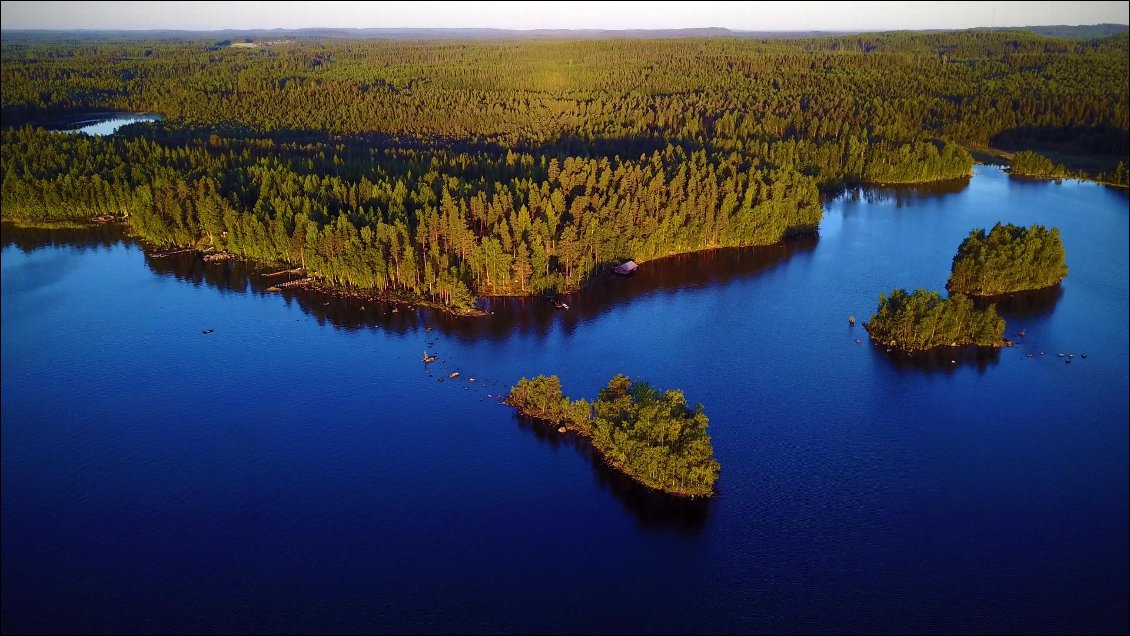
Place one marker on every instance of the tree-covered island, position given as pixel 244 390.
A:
pixel 650 435
pixel 1008 259
pixel 923 320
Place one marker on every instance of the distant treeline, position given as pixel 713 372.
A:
pixel 450 170
pixel 895 88
pixel 649 435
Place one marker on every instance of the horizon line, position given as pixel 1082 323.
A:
pixel 428 28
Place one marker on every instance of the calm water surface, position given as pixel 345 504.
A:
pixel 98 123
pixel 298 469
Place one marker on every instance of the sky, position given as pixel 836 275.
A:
pixel 748 16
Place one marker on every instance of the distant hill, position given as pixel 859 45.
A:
pixel 1077 32
pixel 1080 32
pixel 412 34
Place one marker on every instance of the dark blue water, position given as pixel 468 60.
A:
pixel 297 469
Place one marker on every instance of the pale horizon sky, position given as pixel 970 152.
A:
pixel 746 16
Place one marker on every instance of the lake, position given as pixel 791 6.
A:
pixel 298 470
pixel 97 123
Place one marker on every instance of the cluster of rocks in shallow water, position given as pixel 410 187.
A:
pixel 1066 357
pixel 430 359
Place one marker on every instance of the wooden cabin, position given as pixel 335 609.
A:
pixel 626 268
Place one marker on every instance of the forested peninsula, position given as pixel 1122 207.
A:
pixel 448 170
pixel 649 435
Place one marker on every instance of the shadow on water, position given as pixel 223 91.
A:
pixel 685 271
pixel 230 276
pixel 652 510
pixel 31 239
pixel 903 195
pixel 245 277
pixel 1021 305
pixel 509 315
pixel 940 360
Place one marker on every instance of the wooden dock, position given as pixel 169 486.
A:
pixel 298 282
pixel 296 270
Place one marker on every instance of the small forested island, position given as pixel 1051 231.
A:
pixel 1008 259
pixel 924 320
pixel 650 435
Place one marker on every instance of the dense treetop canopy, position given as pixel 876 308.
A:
pixel 897 87
pixel 447 170
pixel 923 320
pixel 1008 259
